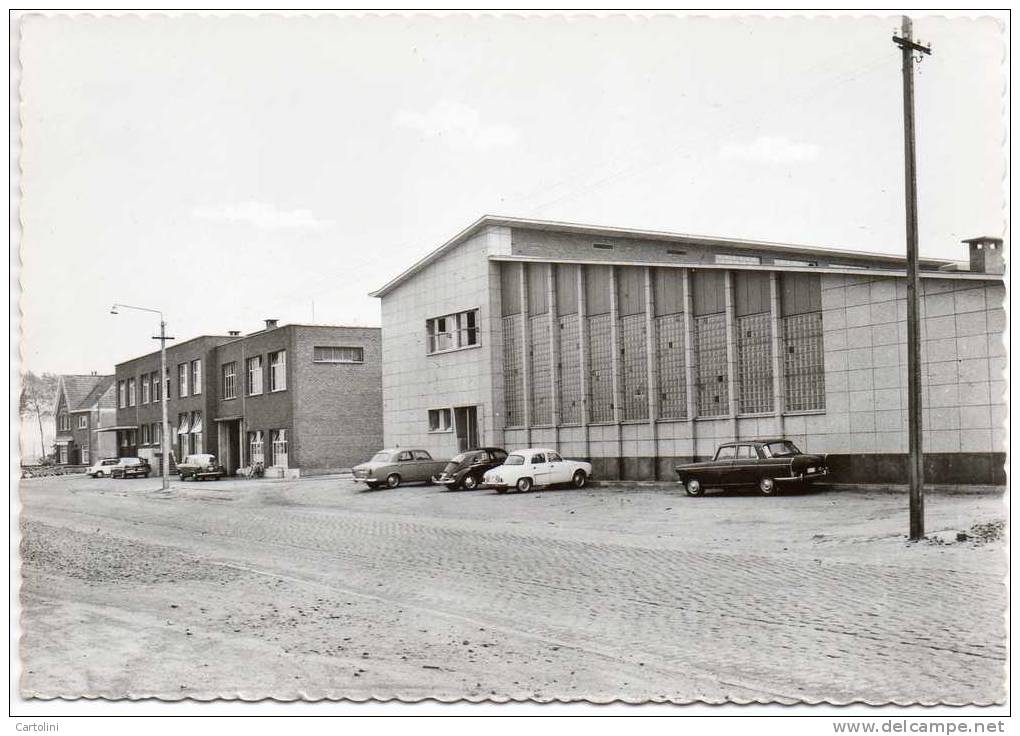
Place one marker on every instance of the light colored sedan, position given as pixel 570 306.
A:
pixel 395 466
pixel 537 466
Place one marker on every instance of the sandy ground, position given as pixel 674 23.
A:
pixel 317 589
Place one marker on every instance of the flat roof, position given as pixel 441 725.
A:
pixel 660 235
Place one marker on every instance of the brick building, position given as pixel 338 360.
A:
pixel 305 398
pixel 84 404
pixel 639 349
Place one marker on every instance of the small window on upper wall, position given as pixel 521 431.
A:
pixel 337 354
pixel 452 332
pixel 737 259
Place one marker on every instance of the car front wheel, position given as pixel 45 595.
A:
pixel 693 487
pixel 768 487
pixel 392 480
pixel 580 479
pixel 469 483
pixel 524 485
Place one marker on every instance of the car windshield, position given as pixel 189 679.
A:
pixel 780 449
pixel 381 457
pixel 514 460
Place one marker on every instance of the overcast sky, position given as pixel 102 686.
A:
pixel 233 169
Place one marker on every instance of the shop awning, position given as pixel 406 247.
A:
pixel 228 419
pixel 63 442
pixel 183 429
pixel 196 427
pixel 121 428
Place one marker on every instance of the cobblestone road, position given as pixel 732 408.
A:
pixel 312 589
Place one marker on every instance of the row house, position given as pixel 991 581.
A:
pixel 302 398
pixel 84 405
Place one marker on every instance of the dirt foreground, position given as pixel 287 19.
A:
pixel 316 589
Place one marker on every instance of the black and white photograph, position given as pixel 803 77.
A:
pixel 655 362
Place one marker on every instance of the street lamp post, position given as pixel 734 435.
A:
pixel 164 445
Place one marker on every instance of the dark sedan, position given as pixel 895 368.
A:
pixel 466 469
pixel 201 467
pixel 767 465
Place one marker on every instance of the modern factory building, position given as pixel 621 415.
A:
pixel 638 349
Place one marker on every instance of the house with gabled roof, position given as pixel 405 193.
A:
pixel 84 405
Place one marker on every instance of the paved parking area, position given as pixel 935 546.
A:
pixel 317 588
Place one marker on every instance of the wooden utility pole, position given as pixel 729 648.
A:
pixel 916 458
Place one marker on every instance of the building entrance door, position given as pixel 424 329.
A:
pixel 465 420
pixel 229 441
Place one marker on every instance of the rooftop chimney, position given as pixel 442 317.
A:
pixel 270 324
pixel 986 255
pixel 233 333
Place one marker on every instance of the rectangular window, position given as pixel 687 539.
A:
pixel 279 440
pixel 154 380
pixel 569 373
pixel 144 434
pixel 62 455
pixel 131 392
pixel 157 434
pixel 278 370
pixel 64 423
pixel 229 380
pixel 254 367
pixel 182 380
pixel 752 305
pixel 121 394
pixel 166 383
pixel 195 442
pixel 439 420
pixel 452 331
pixel 196 377
pixel 83 421
pixel 513 371
pixel 256 448
pixel 86 455
pixel 735 259
pixel 337 354
pixel 713 374
pixel 801 332
pixel 670 336
pixel 146 389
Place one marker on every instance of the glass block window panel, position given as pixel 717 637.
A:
pixel 710 349
pixel 541 371
pixel 754 363
pixel 634 367
pixel 669 340
pixel 571 400
pixel 513 376
pixel 803 362
pixel 600 368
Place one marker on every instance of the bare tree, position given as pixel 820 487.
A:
pixel 38 395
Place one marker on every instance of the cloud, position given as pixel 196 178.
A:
pixel 771 150
pixel 263 215
pixel 458 125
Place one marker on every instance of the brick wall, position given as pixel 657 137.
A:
pixel 337 406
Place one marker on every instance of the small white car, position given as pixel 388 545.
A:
pixel 536 466
pixel 103 468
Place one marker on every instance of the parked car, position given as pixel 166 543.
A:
pixel 466 469
pixel 768 464
pixel 131 467
pixel 200 467
pixel 537 466
pixel 102 468
pixel 396 465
